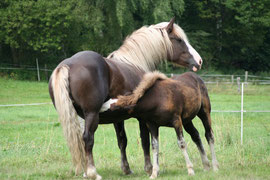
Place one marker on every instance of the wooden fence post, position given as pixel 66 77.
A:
pixel 238 84
pixel 46 71
pixel 246 77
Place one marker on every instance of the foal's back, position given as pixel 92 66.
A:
pixel 182 95
pixel 197 92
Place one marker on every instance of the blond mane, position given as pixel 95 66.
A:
pixel 147 47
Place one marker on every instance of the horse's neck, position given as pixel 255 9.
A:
pixel 123 77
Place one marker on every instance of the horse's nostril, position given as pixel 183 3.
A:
pixel 200 61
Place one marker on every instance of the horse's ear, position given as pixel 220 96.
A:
pixel 169 28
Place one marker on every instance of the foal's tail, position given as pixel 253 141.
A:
pixel 68 116
pixel 147 82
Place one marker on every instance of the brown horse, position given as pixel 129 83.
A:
pixel 84 83
pixel 161 101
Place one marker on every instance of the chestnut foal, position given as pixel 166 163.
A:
pixel 172 102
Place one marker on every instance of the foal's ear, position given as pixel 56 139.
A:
pixel 169 28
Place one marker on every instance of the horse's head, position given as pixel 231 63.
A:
pixel 183 53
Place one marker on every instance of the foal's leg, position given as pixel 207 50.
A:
pixel 206 119
pixel 182 145
pixel 155 150
pixel 144 133
pixel 91 124
pixel 122 144
pixel 192 131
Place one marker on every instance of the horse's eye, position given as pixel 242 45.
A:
pixel 179 40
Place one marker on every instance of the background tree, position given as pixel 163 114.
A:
pixel 229 34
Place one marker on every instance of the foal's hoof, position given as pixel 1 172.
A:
pixel 207 166
pixel 153 176
pixel 191 172
pixel 215 166
pixel 148 169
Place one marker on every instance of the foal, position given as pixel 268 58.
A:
pixel 161 101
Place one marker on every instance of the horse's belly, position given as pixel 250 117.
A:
pixel 108 117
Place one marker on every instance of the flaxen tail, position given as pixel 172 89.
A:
pixel 68 116
pixel 147 82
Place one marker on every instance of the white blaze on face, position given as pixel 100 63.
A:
pixel 195 54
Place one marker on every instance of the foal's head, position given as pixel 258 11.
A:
pixel 183 53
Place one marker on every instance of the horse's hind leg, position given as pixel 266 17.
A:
pixel 204 115
pixel 144 133
pixel 155 149
pixel 122 144
pixel 192 131
pixel 182 145
pixel 91 124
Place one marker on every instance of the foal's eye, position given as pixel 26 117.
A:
pixel 179 40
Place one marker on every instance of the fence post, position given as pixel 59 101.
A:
pixel 232 79
pixel 171 74
pixel 46 71
pixel 242 112
pixel 38 70
pixel 246 77
pixel 238 84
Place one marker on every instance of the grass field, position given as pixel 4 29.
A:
pixel 32 145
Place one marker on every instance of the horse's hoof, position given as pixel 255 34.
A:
pixel 126 169
pixel 98 177
pixel 91 174
pixel 128 172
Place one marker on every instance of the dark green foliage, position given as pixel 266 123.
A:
pixel 236 32
pixel 229 34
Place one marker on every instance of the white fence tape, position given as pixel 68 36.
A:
pixel 32 104
pixel 216 111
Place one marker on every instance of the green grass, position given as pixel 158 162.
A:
pixel 32 145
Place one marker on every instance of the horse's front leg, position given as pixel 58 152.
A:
pixel 144 133
pixel 91 124
pixel 122 144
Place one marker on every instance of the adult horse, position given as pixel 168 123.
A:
pixel 161 101
pixel 82 84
